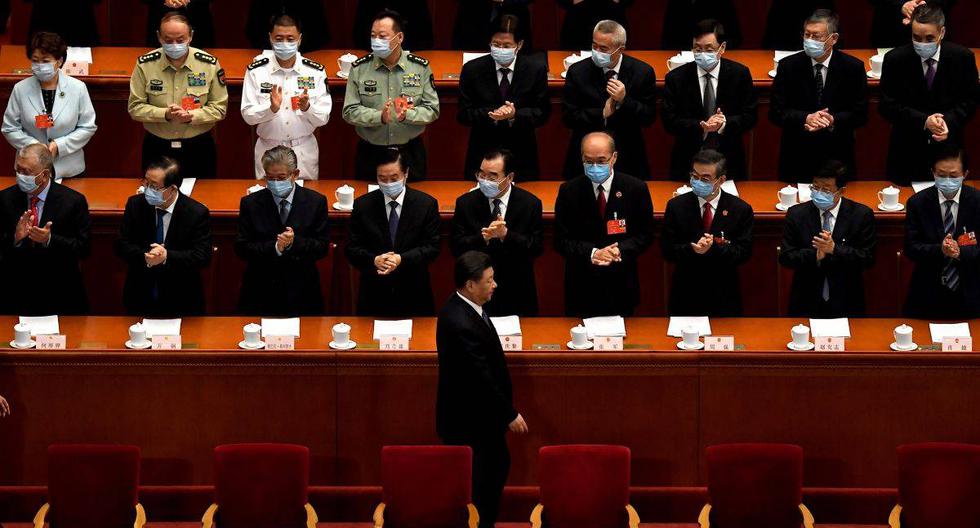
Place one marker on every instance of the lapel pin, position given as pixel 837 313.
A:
pixel 619 194
pixel 724 212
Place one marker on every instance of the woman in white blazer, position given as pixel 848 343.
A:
pixel 51 108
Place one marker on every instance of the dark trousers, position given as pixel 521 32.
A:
pixel 367 156
pixel 491 465
pixel 197 156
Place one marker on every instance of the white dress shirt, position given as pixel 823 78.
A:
pixel 925 67
pixel 826 66
pixel 713 203
pixel 614 68
pixel 510 76
pixel 503 203
pixel 399 200
pixel 956 206
pixel 834 211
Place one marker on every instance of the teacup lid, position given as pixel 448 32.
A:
pixel 252 327
pixel 22 327
pixel 891 189
pixel 904 328
pixel 341 327
pixel 788 189
pixel 345 188
pixel 138 326
pixel 801 328
pixel 348 56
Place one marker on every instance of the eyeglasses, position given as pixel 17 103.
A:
pixel 496 178
pixel 701 177
pixel 823 189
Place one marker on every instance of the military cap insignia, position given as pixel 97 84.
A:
pixel 312 64
pixel 261 62
pixel 150 57
pixel 418 60
pixel 205 57
pixel 362 60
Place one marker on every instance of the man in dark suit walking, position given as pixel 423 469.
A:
pixel 474 403
pixel 44 231
pixel 614 93
pixel 503 221
pixel 165 239
pixel 603 223
pixel 394 236
pixel 707 234
pixel 928 93
pixel 709 103
pixel 828 242
pixel 940 237
pixel 503 99
pixel 282 232
pixel 819 99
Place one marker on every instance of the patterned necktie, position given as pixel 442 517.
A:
pixel 930 71
pixel 710 106
pixel 495 212
pixel 34 201
pixel 828 227
pixel 504 83
pixel 393 221
pixel 708 217
pixel 283 211
pixel 951 275
pixel 818 80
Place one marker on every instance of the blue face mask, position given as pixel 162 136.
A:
pixel 948 186
pixel 490 189
pixel 814 48
pixel 279 188
pixel 925 49
pixel 503 56
pixel 27 183
pixel 381 48
pixel 44 71
pixel 602 60
pixel 598 172
pixel 175 51
pixel 285 50
pixel 823 200
pixel 153 196
pixel 706 60
pixel 392 190
pixel 702 189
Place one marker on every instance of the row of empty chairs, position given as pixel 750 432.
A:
pixel 581 486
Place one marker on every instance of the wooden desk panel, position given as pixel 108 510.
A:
pixel 848 410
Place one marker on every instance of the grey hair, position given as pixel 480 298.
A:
pixel 611 27
pixel 606 135
pixel 280 155
pixel 824 16
pixel 39 152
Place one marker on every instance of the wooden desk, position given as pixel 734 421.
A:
pixel 765 285
pixel 115 149
pixel 848 410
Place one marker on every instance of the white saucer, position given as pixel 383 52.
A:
pixel 13 344
pixel 896 348
pixel 682 346
pixel 343 75
pixel 337 206
pixel 246 346
pixel 781 207
pixel 348 346
pixel 772 73
pixel 871 75
pixel 146 344
pixel 573 346
pixel 793 346
pixel 564 73
pixel 898 207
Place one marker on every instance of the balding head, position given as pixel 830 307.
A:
pixel 598 147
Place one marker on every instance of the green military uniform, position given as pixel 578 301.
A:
pixel 370 86
pixel 199 83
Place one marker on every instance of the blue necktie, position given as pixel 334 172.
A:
pixel 159 236
pixel 393 221
pixel 486 318
pixel 951 275
pixel 827 217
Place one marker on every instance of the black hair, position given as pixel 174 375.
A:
pixel 170 168
pixel 392 155
pixel 835 170
pixel 710 25
pixel 397 22
pixel 510 24
pixel 712 157
pixel 507 156
pixel 947 151
pixel 470 267
pixel 285 20
pixel 48 43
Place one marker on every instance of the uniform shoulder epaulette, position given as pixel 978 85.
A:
pixel 312 64
pixel 150 57
pixel 205 57
pixel 261 62
pixel 418 60
pixel 362 60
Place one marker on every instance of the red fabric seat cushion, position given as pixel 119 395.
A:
pixel 584 486
pixel 93 486
pixel 939 485
pixel 755 485
pixel 426 486
pixel 261 485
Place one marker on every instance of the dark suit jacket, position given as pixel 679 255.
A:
pixel 418 22
pixel 923 244
pixel 513 257
pixel 854 240
pixel 480 94
pixel 602 290
pixel 887 29
pixel 906 102
pixel 474 398
pixel 784 23
pixel 580 20
pixel 794 96
pixel 683 110
pixel 706 284
pixel 287 285
pixel 45 280
pixel 316 31
pixel 406 291
pixel 584 97
pixel 178 280
pixel 682 15
pixel 473 27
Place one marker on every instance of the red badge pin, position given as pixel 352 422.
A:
pixel 724 212
pixel 619 194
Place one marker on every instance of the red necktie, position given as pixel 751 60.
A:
pixel 601 202
pixel 34 201
pixel 708 217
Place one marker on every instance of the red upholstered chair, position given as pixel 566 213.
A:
pixel 92 486
pixel 938 486
pixel 755 486
pixel 261 486
pixel 426 487
pixel 584 486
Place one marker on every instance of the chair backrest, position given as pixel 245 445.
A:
pixel 93 486
pixel 426 486
pixel 584 486
pixel 939 485
pixel 755 485
pixel 261 485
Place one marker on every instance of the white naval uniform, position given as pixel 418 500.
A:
pixel 287 127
